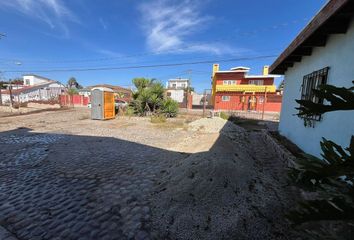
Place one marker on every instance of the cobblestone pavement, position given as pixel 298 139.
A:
pixel 62 186
pixel 64 176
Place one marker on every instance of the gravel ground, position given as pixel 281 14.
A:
pixel 64 176
pixel 235 190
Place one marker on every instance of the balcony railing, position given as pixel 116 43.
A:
pixel 245 88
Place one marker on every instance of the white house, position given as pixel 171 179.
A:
pixel 31 80
pixel 322 53
pixel 176 89
pixel 178 83
pixel 35 88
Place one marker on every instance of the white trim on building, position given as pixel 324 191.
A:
pixel 335 126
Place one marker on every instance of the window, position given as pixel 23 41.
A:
pixel 174 85
pixel 310 82
pixel 256 82
pixel 183 85
pixel 225 98
pixel 229 82
pixel 27 82
pixel 168 94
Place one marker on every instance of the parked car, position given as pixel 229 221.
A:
pixel 120 104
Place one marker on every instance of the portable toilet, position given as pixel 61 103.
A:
pixel 102 103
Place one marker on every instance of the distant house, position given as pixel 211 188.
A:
pixel 176 89
pixel 34 88
pixel 323 53
pixel 178 83
pixel 235 90
pixel 32 80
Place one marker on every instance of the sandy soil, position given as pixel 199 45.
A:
pixel 235 189
pixel 223 182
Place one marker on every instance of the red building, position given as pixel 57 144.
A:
pixel 235 90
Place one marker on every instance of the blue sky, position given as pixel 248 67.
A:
pixel 82 34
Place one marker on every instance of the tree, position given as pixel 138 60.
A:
pixel 148 99
pixel 72 83
pixel 3 84
pixel 17 81
pixel 330 179
pixel 72 91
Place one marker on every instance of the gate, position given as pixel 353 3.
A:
pixel 248 105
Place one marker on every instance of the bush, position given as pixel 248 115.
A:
pixel 158 119
pixel 129 111
pixel 149 99
pixel 169 107
pixel 225 116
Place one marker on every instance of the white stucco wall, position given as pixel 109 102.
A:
pixel 177 94
pixel 33 80
pixel 338 126
pixel 46 92
pixel 179 83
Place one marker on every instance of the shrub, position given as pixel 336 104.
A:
pixel 169 107
pixel 225 116
pixel 129 111
pixel 158 119
pixel 149 99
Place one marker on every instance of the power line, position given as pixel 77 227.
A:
pixel 184 48
pixel 143 66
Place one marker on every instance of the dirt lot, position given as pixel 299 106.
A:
pixel 64 176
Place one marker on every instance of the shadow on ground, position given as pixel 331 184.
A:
pixel 57 186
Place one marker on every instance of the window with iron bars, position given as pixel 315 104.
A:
pixel 313 81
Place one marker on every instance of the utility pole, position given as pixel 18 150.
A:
pixel 189 72
pixel 1 89
pixel 10 91
pixel 1 36
pixel 204 103
pixel 0 97
pixel 264 102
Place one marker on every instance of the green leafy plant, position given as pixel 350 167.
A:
pixel 337 99
pixel 328 182
pixel 72 83
pixel 149 99
pixel 158 119
pixel 72 91
pixel 224 115
pixel 169 107
pixel 129 111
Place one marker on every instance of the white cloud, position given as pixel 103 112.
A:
pixel 52 12
pixel 168 25
pixel 108 53
pixel 103 23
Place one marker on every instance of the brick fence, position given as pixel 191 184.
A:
pixel 74 100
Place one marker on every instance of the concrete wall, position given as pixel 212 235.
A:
pixel 176 94
pixel 338 126
pixel 198 99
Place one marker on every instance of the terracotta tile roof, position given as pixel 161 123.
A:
pixel 114 88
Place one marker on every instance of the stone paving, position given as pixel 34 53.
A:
pixel 57 186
